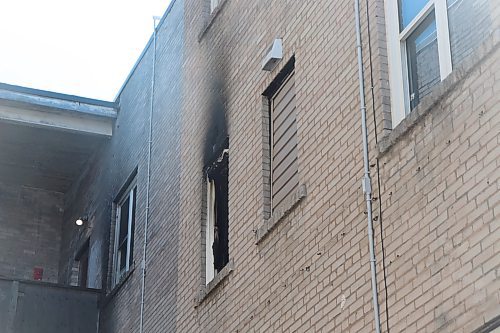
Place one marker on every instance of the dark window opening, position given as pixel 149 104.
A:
pixel 83 264
pixel 217 213
pixel 124 231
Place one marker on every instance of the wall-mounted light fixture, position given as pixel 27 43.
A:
pixel 273 56
pixel 81 220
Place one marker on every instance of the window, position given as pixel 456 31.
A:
pixel 213 5
pixel 284 177
pixel 83 264
pixel 124 232
pixel 217 218
pixel 419 51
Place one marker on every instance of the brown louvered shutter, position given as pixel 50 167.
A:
pixel 285 178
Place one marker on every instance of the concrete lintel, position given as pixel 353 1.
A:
pixel 67 121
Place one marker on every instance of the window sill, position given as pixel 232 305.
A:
pixel 211 19
pixel 440 91
pixel 205 291
pixel 109 296
pixel 280 213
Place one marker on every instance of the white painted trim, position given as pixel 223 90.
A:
pixel 443 39
pixel 129 194
pixel 397 57
pixel 58 121
pixel 116 269
pixel 394 55
pixel 129 228
pixel 421 16
pixel 209 232
pixel 213 5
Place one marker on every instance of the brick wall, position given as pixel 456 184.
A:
pixel 31 221
pixel 440 186
pixel 435 207
pixel 311 273
pixel 100 183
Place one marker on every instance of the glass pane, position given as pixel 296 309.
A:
pixel 122 257
pixel 131 259
pixel 423 60
pixel 470 23
pixel 408 9
pixel 124 220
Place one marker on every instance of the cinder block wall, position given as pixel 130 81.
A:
pixel 31 222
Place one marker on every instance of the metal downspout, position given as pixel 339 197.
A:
pixel 366 182
pixel 148 182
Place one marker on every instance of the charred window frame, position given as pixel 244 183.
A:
pixel 216 215
pixel 123 249
pixel 82 258
pixel 280 150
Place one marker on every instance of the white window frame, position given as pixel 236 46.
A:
pixel 128 194
pixel 396 52
pixel 213 5
pixel 210 232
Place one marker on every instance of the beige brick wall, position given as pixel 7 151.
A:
pixel 441 210
pixel 437 198
pixel 436 209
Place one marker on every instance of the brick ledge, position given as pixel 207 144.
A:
pixel 211 19
pixel 280 213
pixel 212 285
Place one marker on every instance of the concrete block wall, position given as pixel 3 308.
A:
pixel 31 221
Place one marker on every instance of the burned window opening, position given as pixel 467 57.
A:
pixel 217 220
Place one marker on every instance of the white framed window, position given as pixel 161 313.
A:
pixel 213 5
pixel 418 50
pixel 124 232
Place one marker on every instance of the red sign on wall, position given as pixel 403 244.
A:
pixel 38 273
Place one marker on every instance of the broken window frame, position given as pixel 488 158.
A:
pixel 211 260
pixel 126 246
pixel 397 36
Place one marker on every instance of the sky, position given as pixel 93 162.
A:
pixel 85 48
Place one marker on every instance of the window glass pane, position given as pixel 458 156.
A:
pixel 132 228
pixel 423 60
pixel 122 257
pixel 124 221
pixel 408 9
pixel 470 23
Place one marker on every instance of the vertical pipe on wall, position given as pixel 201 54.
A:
pixel 366 178
pixel 148 182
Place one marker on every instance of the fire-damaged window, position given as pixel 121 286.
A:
pixel 216 225
pixel 124 231
pixel 282 138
